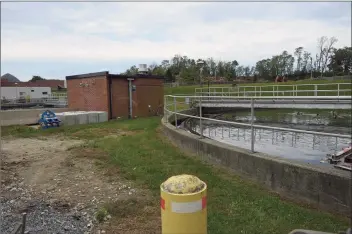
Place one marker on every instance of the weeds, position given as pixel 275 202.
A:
pixel 101 215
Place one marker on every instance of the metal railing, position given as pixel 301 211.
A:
pixel 198 100
pixel 336 89
pixel 174 104
pixel 57 100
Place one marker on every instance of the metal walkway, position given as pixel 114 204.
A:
pixel 299 102
pixel 280 89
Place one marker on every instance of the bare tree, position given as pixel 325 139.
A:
pixel 325 47
pixel 298 54
pixel 328 50
pixel 306 62
pixel 321 43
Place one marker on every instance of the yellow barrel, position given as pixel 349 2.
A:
pixel 183 205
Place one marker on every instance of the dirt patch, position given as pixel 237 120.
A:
pixel 101 132
pixel 60 177
pixel 89 153
pixel 134 216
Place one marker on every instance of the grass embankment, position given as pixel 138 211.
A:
pixel 268 91
pixel 143 155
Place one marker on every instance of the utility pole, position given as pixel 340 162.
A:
pixel 201 63
pixel 311 68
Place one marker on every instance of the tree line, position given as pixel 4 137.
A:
pixel 301 64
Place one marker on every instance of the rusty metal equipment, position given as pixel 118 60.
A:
pixel 342 159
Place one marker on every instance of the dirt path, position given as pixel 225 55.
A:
pixel 60 187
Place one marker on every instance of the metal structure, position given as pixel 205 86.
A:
pixel 142 69
pixel 201 64
pixel 52 100
pixel 342 159
pixel 57 100
pixel 175 104
pixel 300 102
pixel 330 89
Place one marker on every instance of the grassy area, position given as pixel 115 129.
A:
pixel 189 89
pixel 333 86
pixel 144 156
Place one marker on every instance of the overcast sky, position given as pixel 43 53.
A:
pixel 56 39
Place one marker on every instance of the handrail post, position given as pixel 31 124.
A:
pixel 175 111
pixel 338 89
pixel 277 90
pixel 165 109
pixel 315 90
pixel 255 91
pixel 260 91
pixel 273 91
pixel 252 127
pixel 200 119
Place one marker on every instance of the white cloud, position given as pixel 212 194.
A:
pixel 117 31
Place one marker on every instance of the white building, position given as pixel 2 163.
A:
pixel 24 92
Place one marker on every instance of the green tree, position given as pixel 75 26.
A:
pixel 341 61
pixel 35 78
pixel 327 60
pixel 298 54
pixel 131 71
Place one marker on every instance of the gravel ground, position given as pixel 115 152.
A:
pixel 60 192
pixel 42 217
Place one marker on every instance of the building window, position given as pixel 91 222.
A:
pixel 22 93
pixel 32 90
pixel 44 93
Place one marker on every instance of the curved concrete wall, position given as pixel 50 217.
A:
pixel 325 188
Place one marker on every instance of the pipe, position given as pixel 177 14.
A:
pixel 110 98
pixel 130 107
pixel 252 127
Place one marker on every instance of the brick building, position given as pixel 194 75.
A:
pixel 53 84
pixel 120 95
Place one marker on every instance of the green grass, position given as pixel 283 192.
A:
pixel 189 89
pixel 234 205
pixel 101 214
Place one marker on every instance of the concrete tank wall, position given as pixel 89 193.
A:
pixel 25 116
pixel 82 117
pixel 321 187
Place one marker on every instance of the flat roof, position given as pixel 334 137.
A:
pixel 115 76
pixel 87 75
pixel 145 76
